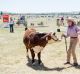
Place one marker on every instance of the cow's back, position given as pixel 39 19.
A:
pixel 32 39
pixel 37 40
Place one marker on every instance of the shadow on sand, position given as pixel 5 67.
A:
pixel 42 67
pixel 77 67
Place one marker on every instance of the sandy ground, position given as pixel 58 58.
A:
pixel 13 56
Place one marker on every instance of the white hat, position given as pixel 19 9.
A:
pixel 70 19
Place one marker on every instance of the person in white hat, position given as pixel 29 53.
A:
pixel 72 32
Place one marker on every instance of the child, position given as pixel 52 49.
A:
pixel 11 24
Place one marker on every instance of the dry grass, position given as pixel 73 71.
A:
pixel 13 56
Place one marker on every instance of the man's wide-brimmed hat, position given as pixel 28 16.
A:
pixel 70 19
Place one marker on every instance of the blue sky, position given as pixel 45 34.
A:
pixel 39 6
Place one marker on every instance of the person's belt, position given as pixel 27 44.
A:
pixel 74 37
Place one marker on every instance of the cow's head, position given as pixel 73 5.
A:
pixel 52 36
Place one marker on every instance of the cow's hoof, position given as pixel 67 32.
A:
pixel 33 64
pixel 40 63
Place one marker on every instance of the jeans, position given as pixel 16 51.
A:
pixel 11 28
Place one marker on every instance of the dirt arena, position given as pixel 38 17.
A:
pixel 13 56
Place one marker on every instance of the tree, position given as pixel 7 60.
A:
pixel 1 13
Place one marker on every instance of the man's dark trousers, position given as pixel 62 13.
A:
pixel 11 28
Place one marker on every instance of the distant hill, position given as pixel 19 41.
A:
pixel 61 13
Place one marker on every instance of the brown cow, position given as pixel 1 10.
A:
pixel 36 42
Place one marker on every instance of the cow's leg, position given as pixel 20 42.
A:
pixel 33 55
pixel 39 58
pixel 27 52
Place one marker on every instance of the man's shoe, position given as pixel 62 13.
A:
pixel 75 64
pixel 67 63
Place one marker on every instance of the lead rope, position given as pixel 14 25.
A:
pixel 66 44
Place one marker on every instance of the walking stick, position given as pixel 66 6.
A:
pixel 66 44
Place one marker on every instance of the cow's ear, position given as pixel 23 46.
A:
pixel 54 33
